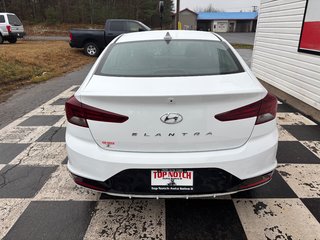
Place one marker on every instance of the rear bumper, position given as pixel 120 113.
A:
pixel 88 161
pixel 207 183
pixel 71 44
pixel 16 35
pixel 75 45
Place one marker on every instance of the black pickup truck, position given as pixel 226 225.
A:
pixel 93 41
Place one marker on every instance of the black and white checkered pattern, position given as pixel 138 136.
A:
pixel 38 199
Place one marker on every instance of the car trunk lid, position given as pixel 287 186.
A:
pixel 171 114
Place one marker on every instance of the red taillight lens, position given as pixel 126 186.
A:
pixel 268 110
pixel 248 111
pixel 265 110
pixel 78 113
pixel 75 113
pixel 8 28
pixel 70 35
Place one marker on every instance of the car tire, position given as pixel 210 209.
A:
pixel 1 39
pixel 12 40
pixel 91 49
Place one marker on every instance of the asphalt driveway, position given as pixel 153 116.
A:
pixel 27 98
pixel 242 38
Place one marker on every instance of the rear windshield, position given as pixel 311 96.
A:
pixel 175 58
pixel 14 20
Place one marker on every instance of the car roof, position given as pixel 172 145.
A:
pixel 121 19
pixel 175 34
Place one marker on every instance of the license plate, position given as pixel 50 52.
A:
pixel 172 178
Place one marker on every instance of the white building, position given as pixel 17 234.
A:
pixel 286 54
pixel 227 21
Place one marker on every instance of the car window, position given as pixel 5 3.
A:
pixel 145 26
pixel 117 26
pixel 176 58
pixel 133 27
pixel 14 20
pixel 2 20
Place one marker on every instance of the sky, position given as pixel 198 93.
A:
pixel 226 5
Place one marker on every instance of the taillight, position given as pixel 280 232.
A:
pixel 8 28
pixel 75 113
pixel 78 114
pixel 268 110
pixel 70 35
pixel 265 110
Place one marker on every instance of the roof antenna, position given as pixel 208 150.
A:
pixel 167 38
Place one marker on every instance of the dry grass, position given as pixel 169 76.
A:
pixel 242 46
pixel 55 29
pixel 31 62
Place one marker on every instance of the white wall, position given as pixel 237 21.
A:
pixel 221 26
pixel 276 59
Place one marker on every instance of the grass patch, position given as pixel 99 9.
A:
pixel 43 29
pixel 31 62
pixel 242 46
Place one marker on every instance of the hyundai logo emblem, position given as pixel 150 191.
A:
pixel 171 118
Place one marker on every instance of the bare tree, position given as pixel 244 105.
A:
pixel 209 8
pixel 88 11
pixel 4 5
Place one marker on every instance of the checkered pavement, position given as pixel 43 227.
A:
pixel 38 199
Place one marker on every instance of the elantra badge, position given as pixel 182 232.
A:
pixel 171 118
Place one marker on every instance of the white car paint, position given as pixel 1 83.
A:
pixel 104 149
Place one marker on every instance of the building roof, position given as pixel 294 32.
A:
pixel 227 15
pixel 186 9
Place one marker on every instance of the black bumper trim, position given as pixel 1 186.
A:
pixel 16 35
pixel 206 181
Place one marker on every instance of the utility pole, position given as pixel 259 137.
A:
pixel 161 9
pixel 178 14
pixel 254 8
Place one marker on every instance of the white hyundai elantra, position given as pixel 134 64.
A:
pixel 171 114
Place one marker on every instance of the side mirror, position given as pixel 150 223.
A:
pixel 141 30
